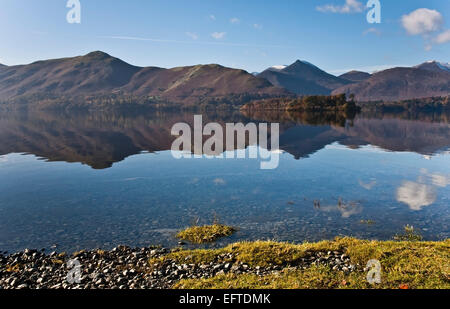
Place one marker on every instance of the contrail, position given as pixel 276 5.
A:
pixel 133 38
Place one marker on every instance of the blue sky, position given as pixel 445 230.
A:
pixel 248 34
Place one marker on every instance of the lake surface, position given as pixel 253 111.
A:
pixel 86 180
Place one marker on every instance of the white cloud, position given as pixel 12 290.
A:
pixel 212 17
pixel 192 35
pixel 257 26
pixel 235 20
pixel 350 6
pixel 443 37
pixel 218 35
pixel 422 21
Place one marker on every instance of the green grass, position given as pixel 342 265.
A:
pixel 412 264
pixel 206 233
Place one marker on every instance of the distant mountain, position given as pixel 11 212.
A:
pixel 191 83
pixel 434 66
pixel 355 76
pixel 98 73
pixel 93 73
pixel 400 84
pixel 303 78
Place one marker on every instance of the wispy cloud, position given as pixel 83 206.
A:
pixel 350 6
pixel 133 38
pixel 235 20
pixel 218 35
pixel 257 26
pixel 212 17
pixel 372 30
pixel 443 38
pixel 192 35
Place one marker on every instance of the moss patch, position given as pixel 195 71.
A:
pixel 205 234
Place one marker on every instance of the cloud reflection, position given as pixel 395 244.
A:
pixel 347 209
pixel 416 195
pixel 440 180
pixel 368 186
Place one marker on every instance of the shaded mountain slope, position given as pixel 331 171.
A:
pixel 434 66
pixel 400 84
pixel 355 76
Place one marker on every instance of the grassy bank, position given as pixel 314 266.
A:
pixel 206 233
pixel 405 264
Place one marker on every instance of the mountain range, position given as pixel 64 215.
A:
pixel 98 74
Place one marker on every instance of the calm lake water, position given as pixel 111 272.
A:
pixel 88 180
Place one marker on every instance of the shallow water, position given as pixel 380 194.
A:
pixel 88 180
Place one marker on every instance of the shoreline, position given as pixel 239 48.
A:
pixel 336 264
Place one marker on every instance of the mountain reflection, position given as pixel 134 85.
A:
pixel 101 139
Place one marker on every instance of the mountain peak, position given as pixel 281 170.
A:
pixel 98 55
pixel 301 65
pixel 434 65
pixel 303 78
pixel 355 76
pixel 303 62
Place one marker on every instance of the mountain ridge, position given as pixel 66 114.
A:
pixel 97 76
pixel 98 73
pixel 434 65
pixel 400 83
